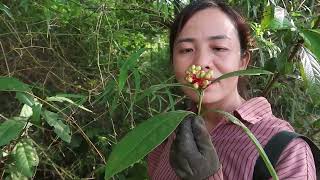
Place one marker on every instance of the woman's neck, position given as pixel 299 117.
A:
pixel 228 104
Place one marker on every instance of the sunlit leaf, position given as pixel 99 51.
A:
pixel 31 106
pixel 267 17
pixel 310 66
pixel 10 130
pixel 142 140
pixel 311 39
pixel 26 111
pixel 64 99
pixel 247 72
pixel 25 98
pixel 26 157
pixel 6 10
pixel 128 65
pixel 62 130
pixel 276 17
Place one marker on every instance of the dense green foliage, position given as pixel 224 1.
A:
pixel 76 76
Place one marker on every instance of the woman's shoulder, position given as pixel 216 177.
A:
pixel 256 111
pixel 257 114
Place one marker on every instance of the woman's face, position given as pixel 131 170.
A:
pixel 210 40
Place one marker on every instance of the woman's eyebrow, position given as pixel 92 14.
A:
pixel 185 40
pixel 216 37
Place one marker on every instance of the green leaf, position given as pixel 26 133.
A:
pixel 283 65
pixel 26 157
pixel 64 99
pixel 10 129
pixel 14 173
pixel 31 106
pixel 157 87
pixel 311 39
pixel 267 17
pixel 62 130
pixel 142 140
pixel 128 64
pixel 6 10
pixel 247 72
pixel 275 18
pixel 316 123
pixel 76 96
pixel 310 66
pixel 25 98
pixel 12 84
pixel 36 111
pixel 26 111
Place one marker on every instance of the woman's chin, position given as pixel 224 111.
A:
pixel 211 95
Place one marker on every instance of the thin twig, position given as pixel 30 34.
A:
pixel 2 116
pixel 97 44
pixel 77 126
pixel 5 59
pixel 52 163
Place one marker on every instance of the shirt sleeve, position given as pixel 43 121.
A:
pixel 296 162
pixel 153 158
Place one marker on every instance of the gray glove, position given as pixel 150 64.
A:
pixel 192 154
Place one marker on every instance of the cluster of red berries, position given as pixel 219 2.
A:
pixel 198 77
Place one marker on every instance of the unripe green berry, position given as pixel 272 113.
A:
pixel 189 79
pixel 202 74
pixel 205 83
pixel 209 74
pixel 196 85
pixel 198 74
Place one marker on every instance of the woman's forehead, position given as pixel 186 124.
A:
pixel 211 22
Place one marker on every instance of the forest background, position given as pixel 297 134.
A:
pixel 77 75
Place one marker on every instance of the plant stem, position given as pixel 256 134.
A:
pixel 200 101
pixel 253 139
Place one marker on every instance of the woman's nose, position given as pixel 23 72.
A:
pixel 203 59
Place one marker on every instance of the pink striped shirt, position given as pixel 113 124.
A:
pixel 238 154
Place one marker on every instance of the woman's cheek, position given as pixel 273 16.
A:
pixel 180 72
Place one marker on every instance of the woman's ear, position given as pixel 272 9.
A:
pixel 245 59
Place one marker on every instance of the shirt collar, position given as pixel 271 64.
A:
pixel 254 110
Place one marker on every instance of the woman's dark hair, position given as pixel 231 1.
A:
pixel 198 5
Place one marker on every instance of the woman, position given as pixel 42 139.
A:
pixel 214 36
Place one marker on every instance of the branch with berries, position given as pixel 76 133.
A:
pixel 199 78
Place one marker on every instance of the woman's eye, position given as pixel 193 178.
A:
pixel 186 50
pixel 219 49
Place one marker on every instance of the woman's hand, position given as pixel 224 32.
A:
pixel 192 155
